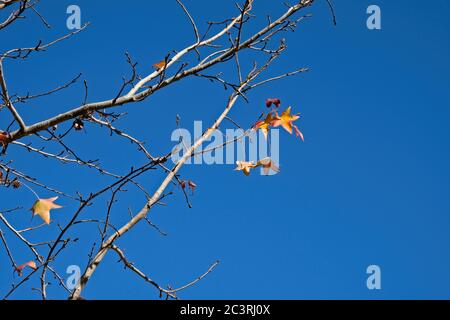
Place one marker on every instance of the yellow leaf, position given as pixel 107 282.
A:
pixel 42 208
pixel 286 120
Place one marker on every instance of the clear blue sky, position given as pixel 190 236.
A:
pixel 370 185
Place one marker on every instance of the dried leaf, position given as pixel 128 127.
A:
pixel 267 165
pixel 245 166
pixel 30 264
pixel 42 208
pixel 160 65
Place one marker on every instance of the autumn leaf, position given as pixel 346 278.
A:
pixel 264 125
pixel 286 121
pixel 245 166
pixel 267 165
pixel 160 65
pixel 30 264
pixel 42 208
pixel 276 102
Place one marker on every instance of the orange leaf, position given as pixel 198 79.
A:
pixel 265 124
pixel 286 120
pixel 30 264
pixel 160 65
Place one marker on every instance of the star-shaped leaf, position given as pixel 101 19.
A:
pixel 264 125
pixel 286 121
pixel 245 166
pixel 42 208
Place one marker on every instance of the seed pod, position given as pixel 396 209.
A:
pixel 78 125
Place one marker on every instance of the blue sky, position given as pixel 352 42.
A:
pixel 369 185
